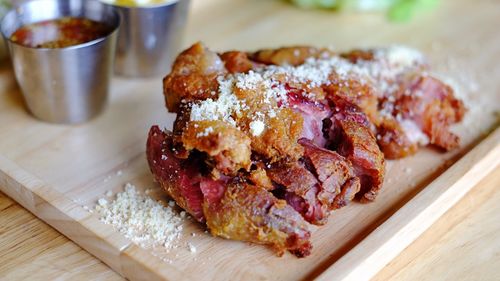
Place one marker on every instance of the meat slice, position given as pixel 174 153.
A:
pixel 354 91
pixel 230 209
pixel 415 109
pixel 180 179
pixel 352 138
pixel 320 182
pixel 299 187
pixel 339 184
pixel 251 213
pixel 397 142
pixel 431 105
pixel 313 114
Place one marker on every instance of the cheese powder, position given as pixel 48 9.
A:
pixel 143 220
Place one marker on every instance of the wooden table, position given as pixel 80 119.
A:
pixel 463 245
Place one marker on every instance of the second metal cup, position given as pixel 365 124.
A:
pixel 149 37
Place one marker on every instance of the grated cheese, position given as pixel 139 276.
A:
pixel 257 127
pixel 205 133
pixel 399 55
pixel 141 219
pixel 379 73
pixel 192 248
pixel 102 202
pixel 221 109
pixel 413 132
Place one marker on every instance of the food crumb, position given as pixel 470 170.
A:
pixel 257 127
pixel 109 193
pixel 102 202
pixel 192 248
pixel 145 221
pixel 107 179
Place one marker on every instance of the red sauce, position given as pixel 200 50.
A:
pixel 60 33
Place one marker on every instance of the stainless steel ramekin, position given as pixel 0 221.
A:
pixel 63 85
pixel 150 37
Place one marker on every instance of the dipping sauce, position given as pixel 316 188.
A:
pixel 60 33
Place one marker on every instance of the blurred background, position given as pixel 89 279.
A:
pixel 396 11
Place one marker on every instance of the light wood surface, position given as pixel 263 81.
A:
pixel 54 171
pixel 462 245
pixel 387 241
pixel 32 250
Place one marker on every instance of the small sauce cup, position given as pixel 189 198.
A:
pixel 150 36
pixel 68 84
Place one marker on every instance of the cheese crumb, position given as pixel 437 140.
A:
pixel 192 248
pixel 109 193
pixel 257 127
pixel 221 109
pixel 102 202
pixel 145 221
pixel 205 133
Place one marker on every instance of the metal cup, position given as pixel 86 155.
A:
pixel 63 85
pixel 149 38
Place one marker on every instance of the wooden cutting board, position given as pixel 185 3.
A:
pixel 55 170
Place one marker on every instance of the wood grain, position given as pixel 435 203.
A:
pixel 55 170
pixel 32 250
pixel 463 245
pixel 402 228
pixel 453 248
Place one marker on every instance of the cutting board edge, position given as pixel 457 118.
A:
pixel 410 221
pixel 84 229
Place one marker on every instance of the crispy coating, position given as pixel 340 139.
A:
pixel 393 140
pixel 361 94
pixel 289 55
pixel 237 62
pixel 250 213
pixel 279 140
pixel 228 146
pixel 193 76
